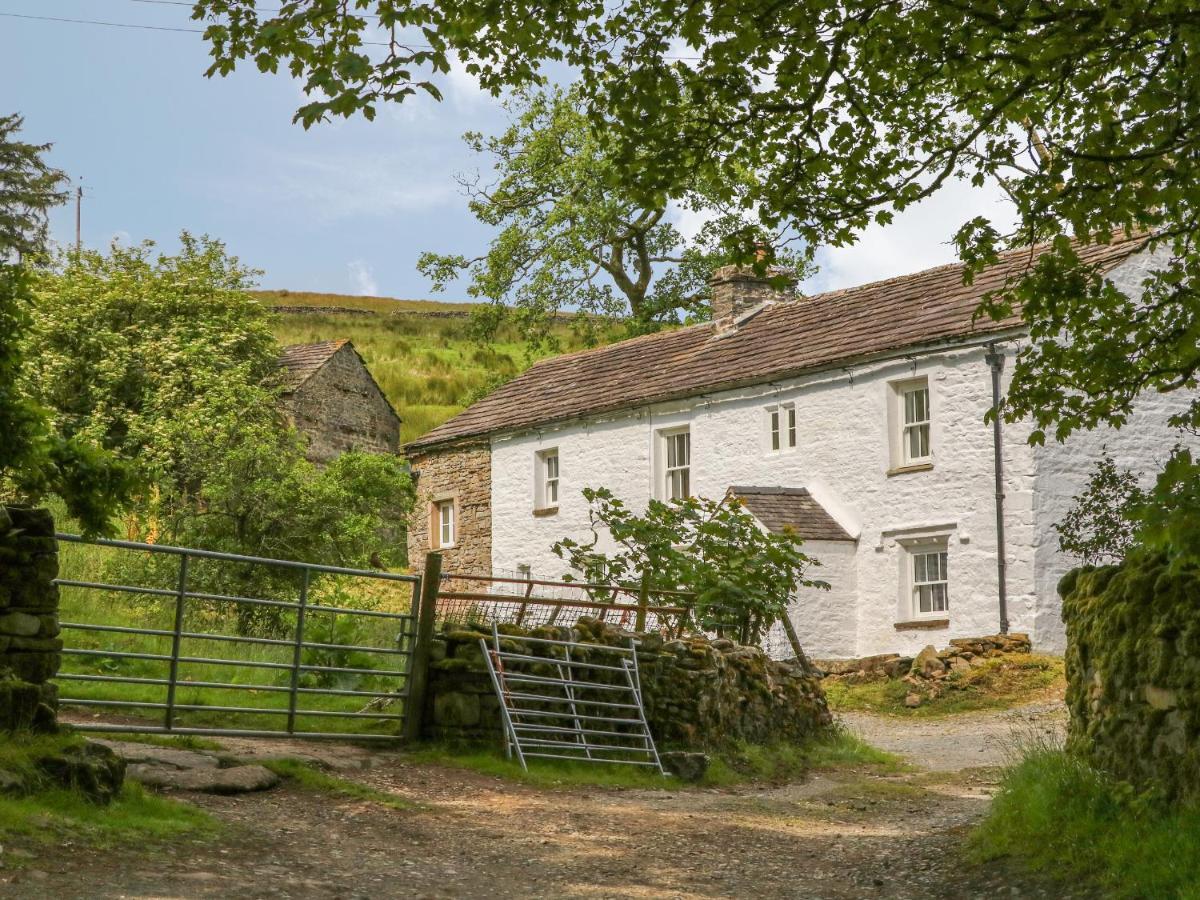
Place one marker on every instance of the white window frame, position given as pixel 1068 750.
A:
pixel 546 486
pixel 903 428
pixel 917 556
pixel 781 427
pixel 446 523
pixel 668 473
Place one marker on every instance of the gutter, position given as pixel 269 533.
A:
pixel 995 361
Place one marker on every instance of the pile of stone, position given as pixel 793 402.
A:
pixel 927 669
pixel 699 694
pixel 30 649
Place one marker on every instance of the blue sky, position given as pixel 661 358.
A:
pixel 344 207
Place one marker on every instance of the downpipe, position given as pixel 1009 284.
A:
pixel 995 361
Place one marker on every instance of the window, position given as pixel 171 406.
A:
pixel 930 582
pixel 677 459
pixel 444 522
pixel 545 480
pixel 911 421
pixel 782 426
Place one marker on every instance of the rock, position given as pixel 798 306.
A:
pixel 171 757
pixel 1160 698
pixel 237 780
pixel 20 624
pixel 912 700
pixel 927 663
pixel 11 782
pixel 684 765
pixel 958 664
pixel 92 769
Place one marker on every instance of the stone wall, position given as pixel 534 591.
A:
pixel 341 408
pixel 462 474
pixel 699 694
pixel 30 649
pixel 1133 673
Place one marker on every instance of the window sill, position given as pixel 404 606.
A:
pixel 546 511
pixel 923 625
pixel 904 470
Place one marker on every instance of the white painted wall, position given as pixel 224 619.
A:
pixel 1063 470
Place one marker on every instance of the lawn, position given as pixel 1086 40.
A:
pixel 998 683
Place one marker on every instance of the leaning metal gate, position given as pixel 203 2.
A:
pixel 172 658
pixel 567 704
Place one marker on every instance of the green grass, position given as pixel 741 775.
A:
pixel 50 814
pixel 429 368
pixel 746 764
pixel 312 779
pixel 999 683
pixel 1058 815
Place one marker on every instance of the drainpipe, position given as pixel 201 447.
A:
pixel 995 361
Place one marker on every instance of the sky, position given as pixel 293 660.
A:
pixel 344 207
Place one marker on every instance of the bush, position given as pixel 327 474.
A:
pixel 1057 813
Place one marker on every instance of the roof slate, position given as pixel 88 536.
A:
pixel 782 339
pixel 780 508
pixel 301 362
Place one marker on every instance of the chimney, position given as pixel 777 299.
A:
pixel 737 290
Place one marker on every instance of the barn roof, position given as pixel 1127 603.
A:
pixel 792 509
pixel 301 362
pixel 781 339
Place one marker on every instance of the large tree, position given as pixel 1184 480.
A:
pixel 571 238
pixel 37 460
pixel 1084 111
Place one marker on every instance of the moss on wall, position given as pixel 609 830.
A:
pixel 1133 672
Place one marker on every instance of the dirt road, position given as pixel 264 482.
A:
pixel 839 835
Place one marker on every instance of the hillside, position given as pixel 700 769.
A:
pixel 419 351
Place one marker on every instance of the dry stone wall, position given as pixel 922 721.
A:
pixel 1133 673
pixel 463 475
pixel 699 694
pixel 30 649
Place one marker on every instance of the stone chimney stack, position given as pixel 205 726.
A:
pixel 737 289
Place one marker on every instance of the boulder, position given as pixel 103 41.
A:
pixel 237 780
pixel 91 769
pixel 684 765
pixel 927 664
pixel 912 700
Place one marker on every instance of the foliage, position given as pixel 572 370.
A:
pixel 29 188
pixel 35 459
pixel 1000 683
pixel 1082 112
pixel 739 575
pixel 168 362
pixel 1057 814
pixel 570 238
pixel 1100 525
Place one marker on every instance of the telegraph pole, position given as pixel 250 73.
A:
pixel 79 217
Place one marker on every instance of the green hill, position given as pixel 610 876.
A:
pixel 419 351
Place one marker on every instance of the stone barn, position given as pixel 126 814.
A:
pixel 331 398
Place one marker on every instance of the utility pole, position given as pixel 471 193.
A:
pixel 79 217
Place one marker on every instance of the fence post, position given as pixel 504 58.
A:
pixel 643 602
pixel 176 638
pixel 418 673
pixel 297 654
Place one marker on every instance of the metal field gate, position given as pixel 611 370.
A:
pixel 160 639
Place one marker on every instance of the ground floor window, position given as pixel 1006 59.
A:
pixel 444 523
pixel 930 580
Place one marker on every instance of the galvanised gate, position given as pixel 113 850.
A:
pixel 159 639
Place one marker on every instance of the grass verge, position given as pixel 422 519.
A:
pixel 999 683
pixel 310 778
pixel 743 764
pixel 1054 813
pixel 51 814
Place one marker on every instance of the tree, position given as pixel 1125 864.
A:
pixel 170 363
pixel 35 459
pixel 1101 524
pixel 571 238
pixel 1085 112
pixel 741 577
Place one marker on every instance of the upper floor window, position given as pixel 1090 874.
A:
pixel 930 581
pixel 677 464
pixel 444 523
pixel 911 423
pixel 781 424
pixel 546 485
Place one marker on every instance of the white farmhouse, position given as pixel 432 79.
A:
pixel 855 417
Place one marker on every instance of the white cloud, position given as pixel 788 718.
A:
pixel 362 278
pixel 918 238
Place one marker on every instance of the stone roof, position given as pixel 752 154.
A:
pixel 301 362
pixel 795 509
pixel 778 340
